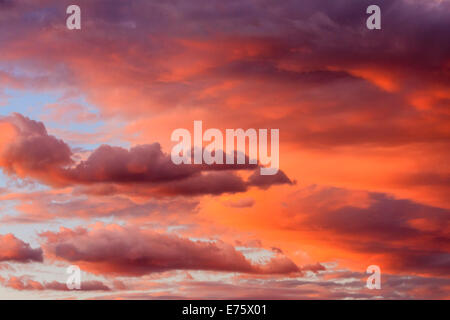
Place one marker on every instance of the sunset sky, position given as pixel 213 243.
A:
pixel 86 177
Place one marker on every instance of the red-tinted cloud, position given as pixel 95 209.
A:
pixel 43 206
pixel 28 151
pixel 15 250
pixel 334 284
pixel 21 283
pixel 356 109
pixel 25 283
pixel 398 234
pixel 131 251
pixel 92 285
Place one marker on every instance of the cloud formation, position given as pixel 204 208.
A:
pixel 402 235
pixel 15 250
pixel 357 110
pixel 25 283
pixel 29 151
pixel 133 252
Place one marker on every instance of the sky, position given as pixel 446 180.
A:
pixel 86 118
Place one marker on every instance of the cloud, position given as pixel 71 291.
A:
pixel 28 151
pixel 239 68
pixel 140 164
pixel 25 283
pixel 265 182
pixel 15 250
pixel 335 285
pixel 401 235
pixel 44 206
pixel 20 283
pixel 92 285
pixel 133 252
